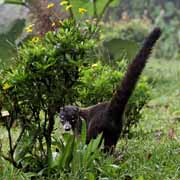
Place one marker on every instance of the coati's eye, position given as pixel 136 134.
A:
pixel 73 118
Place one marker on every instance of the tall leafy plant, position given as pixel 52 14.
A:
pixel 43 79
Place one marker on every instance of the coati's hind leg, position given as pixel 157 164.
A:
pixel 92 133
pixel 110 141
pixel 94 129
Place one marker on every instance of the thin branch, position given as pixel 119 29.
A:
pixel 70 10
pixel 95 9
pixel 10 140
pixel 11 161
pixel 104 9
pixel 19 138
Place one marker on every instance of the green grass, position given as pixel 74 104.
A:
pixel 153 152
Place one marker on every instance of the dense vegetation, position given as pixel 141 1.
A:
pixel 81 60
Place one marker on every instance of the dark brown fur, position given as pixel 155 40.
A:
pixel 107 117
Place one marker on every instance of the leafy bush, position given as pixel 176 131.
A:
pixel 43 79
pixel 100 81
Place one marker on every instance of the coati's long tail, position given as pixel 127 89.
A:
pixel 123 93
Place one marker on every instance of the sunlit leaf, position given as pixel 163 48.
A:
pixel 118 48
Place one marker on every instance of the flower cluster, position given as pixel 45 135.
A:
pixel 82 10
pixel 29 28
pixel 63 3
pixel 35 39
pixel 69 6
pixel 66 4
pixel 50 5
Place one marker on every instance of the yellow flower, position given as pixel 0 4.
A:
pixel 35 39
pixel 68 7
pixel 29 28
pixel 50 5
pixel 87 21
pixel 60 22
pixel 94 65
pixel 6 86
pixel 53 24
pixel 64 3
pixel 82 10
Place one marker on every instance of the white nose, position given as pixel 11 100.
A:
pixel 67 127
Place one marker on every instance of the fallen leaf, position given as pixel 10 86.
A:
pixel 172 134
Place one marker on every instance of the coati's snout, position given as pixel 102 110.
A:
pixel 67 126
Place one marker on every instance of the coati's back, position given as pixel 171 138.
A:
pixel 89 112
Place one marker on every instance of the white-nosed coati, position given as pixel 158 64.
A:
pixel 107 117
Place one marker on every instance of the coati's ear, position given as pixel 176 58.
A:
pixel 61 108
pixel 76 108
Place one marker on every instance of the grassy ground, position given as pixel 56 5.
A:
pixel 153 152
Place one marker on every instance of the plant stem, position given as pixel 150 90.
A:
pixel 70 11
pixel 95 9
pixel 104 9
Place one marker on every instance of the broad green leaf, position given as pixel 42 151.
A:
pixel 18 2
pixel 96 142
pixel 90 176
pixel 67 154
pixel 88 5
pixel 118 48
pixel 140 178
pixel 83 132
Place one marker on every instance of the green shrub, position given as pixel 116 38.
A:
pixel 100 81
pixel 44 78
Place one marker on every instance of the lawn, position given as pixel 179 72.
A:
pixel 153 151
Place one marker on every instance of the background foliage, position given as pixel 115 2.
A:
pixel 162 13
pixel 75 63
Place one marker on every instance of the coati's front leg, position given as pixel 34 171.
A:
pixel 110 139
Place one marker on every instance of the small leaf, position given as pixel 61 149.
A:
pixel 83 132
pixel 6 86
pixel 172 134
pixel 140 178
pixel 90 176
pixel 18 2
pixel 118 48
